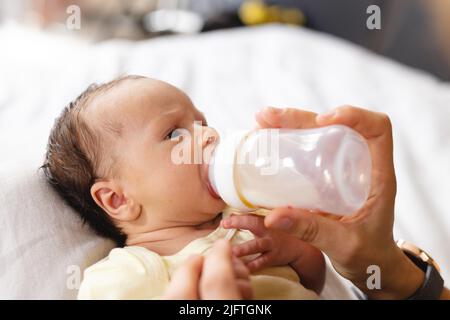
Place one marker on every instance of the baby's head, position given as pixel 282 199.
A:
pixel 111 157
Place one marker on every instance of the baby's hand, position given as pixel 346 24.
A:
pixel 278 249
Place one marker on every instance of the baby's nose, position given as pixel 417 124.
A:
pixel 210 135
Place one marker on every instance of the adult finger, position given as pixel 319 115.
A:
pixel 321 232
pixel 218 281
pixel 185 281
pixel 368 123
pixel 271 117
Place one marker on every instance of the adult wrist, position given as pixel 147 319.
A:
pixel 400 278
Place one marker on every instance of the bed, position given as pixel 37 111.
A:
pixel 229 75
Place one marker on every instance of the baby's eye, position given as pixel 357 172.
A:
pixel 175 133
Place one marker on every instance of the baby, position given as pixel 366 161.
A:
pixel 110 157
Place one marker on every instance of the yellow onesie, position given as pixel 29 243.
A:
pixel 135 272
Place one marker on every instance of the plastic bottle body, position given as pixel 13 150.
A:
pixel 326 169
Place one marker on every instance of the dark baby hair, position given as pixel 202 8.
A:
pixel 72 159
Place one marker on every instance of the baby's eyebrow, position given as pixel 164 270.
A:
pixel 170 115
pixel 181 113
pixel 171 112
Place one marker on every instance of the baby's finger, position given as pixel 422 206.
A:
pixel 260 262
pixel 271 117
pixel 258 245
pixel 245 288
pixel 242 278
pixel 250 222
pixel 240 269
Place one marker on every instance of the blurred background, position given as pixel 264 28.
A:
pixel 414 32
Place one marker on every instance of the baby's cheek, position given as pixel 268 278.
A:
pixel 186 176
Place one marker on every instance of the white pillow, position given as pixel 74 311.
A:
pixel 44 247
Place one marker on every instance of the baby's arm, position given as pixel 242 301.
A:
pixel 310 267
pixel 278 249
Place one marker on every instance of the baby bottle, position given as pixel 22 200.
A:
pixel 326 169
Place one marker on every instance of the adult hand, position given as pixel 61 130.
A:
pixel 365 238
pixel 218 276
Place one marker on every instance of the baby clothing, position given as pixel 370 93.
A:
pixel 135 272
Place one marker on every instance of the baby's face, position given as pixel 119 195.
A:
pixel 147 112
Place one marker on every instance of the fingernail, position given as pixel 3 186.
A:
pixel 283 224
pixel 326 116
pixel 225 223
pixel 273 110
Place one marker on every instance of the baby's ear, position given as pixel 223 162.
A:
pixel 110 197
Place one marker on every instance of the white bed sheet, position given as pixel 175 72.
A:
pixel 229 75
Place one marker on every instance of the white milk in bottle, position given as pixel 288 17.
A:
pixel 326 169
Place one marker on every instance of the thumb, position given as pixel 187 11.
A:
pixel 318 230
pixel 184 283
pixel 218 279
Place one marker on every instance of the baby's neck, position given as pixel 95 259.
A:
pixel 169 241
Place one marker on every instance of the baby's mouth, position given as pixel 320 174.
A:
pixel 206 160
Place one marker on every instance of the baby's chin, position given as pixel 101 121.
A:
pixel 220 206
pixel 217 207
